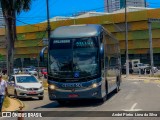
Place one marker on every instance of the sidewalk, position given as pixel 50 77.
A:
pixel 14 105
pixel 139 77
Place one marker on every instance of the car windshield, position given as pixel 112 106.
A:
pixel 26 79
pixel 74 58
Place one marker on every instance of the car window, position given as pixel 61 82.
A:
pixel 11 78
pixel 26 79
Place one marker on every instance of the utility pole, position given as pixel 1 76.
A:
pixel 150 45
pixel 150 20
pixel 126 37
pixel 48 20
pixel 145 3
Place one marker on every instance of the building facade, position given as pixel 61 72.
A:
pixel 29 38
pixel 114 5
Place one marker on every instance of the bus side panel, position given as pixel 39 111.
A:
pixel 111 62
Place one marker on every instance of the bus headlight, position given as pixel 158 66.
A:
pixel 52 87
pixel 94 85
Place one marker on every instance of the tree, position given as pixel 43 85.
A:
pixel 10 8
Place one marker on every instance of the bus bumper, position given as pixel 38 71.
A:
pixel 92 93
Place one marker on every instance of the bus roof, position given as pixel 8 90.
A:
pixel 77 31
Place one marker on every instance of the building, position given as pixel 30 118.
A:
pixel 1 18
pixel 114 5
pixel 29 37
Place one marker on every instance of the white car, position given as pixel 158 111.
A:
pixel 155 69
pixel 23 86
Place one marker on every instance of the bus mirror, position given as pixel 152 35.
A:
pixel 102 51
pixel 41 54
pixel 41 58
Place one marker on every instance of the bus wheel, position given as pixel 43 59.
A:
pixel 102 100
pixel 105 97
pixel 118 86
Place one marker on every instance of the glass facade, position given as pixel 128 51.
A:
pixel 114 5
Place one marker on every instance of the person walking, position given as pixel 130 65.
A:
pixel 3 91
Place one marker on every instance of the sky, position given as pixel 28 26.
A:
pixel 37 12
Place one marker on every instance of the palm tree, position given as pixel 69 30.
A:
pixel 10 8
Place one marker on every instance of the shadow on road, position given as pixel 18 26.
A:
pixel 76 103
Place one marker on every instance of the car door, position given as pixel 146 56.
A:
pixel 135 69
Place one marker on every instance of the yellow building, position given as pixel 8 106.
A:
pixel 29 41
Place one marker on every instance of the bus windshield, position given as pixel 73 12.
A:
pixel 73 58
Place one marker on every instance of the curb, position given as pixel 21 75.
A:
pixel 139 78
pixel 21 104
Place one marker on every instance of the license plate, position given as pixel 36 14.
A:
pixel 72 95
pixel 32 92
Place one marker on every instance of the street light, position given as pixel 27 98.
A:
pixel 126 44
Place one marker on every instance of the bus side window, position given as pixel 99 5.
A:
pixel 113 62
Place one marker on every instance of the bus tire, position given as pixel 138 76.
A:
pixel 118 85
pixel 106 96
pixel 102 100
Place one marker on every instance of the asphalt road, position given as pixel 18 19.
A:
pixel 134 96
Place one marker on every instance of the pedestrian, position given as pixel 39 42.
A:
pixel 3 91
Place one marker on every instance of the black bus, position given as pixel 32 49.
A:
pixel 83 63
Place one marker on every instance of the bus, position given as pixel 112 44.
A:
pixel 83 63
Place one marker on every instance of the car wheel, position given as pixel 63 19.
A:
pixel 15 94
pixel 142 71
pixel 148 72
pixel 131 71
pixel 118 86
pixel 40 98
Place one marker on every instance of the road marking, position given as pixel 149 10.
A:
pixel 132 108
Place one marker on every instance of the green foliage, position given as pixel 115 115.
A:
pixel 16 5
pixel 1 57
